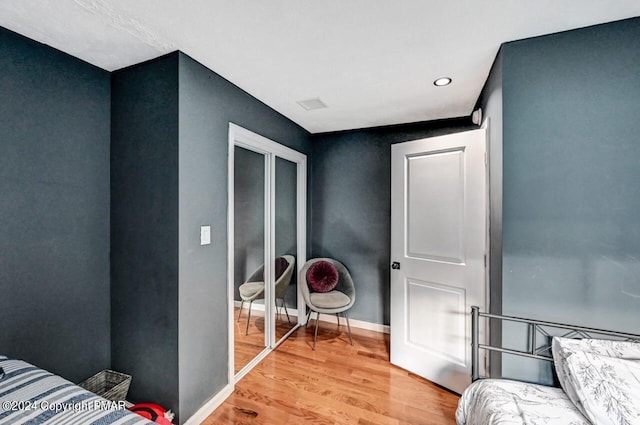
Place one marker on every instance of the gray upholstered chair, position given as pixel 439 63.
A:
pixel 253 288
pixel 339 300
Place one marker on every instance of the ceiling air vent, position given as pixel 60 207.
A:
pixel 311 104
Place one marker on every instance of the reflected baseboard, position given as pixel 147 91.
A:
pixel 258 309
pixel 329 318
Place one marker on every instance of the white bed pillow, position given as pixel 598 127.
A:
pixel 608 388
pixel 563 348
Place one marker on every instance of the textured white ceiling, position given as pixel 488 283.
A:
pixel 373 62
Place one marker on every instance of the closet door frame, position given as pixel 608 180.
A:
pixel 241 137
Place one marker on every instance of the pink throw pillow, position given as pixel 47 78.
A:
pixel 322 276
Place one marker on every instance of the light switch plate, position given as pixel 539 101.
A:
pixel 205 235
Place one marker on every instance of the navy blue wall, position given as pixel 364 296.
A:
pixel 169 177
pixel 144 228
pixel 571 228
pixel 54 209
pixel 208 103
pixel 351 209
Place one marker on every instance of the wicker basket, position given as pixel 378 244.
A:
pixel 109 384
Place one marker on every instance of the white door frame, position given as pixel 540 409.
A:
pixel 486 329
pixel 244 138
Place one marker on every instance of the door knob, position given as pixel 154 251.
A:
pixel 395 265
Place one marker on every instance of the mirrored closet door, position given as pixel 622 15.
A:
pixel 249 255
pixel 267 245
pixel 286 248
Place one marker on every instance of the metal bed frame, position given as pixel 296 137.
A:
pixel 535 327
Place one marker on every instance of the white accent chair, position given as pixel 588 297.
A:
pixel 339 300
pixel 253 288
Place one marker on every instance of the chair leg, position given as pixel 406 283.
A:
pixel 338 317
pixel 306 325
pixel 246 332
pixel 240 312
pixel 315 336
pixel 348 327
pixel 284 304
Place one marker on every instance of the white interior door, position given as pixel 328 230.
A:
pixel 438 240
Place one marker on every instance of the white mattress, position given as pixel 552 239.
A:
pixel 505 402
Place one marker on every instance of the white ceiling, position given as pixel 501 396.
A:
pixel 373 62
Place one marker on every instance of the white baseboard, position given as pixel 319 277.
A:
pixel 355 323
pixel 209 407
pixel 259 308
pixel 330 318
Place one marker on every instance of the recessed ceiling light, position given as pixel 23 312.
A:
pixel 445 81
pixel 311 104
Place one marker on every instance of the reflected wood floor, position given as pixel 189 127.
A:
pixel 336 384
pixel 246 347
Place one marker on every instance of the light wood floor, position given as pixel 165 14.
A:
pixel 336 384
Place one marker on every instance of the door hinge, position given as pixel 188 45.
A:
pixel 485 261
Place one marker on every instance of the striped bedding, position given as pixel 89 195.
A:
pixel 31 396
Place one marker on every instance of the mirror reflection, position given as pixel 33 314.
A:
pixel 286 247
pixel 249 234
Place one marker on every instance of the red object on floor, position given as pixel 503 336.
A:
pixel 152 411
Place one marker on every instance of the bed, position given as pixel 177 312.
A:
pixel 503 401
pixel 29 395
pixel 598 370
